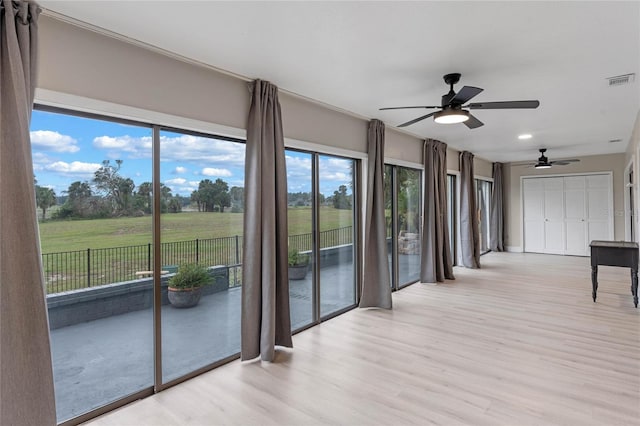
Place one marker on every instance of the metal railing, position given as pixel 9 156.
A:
pixel 74 270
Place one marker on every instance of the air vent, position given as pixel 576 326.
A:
pixel 615 140
pixel 620 80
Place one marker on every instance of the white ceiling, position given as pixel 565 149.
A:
pixel 360 56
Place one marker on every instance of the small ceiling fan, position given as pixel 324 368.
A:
pixel 544 163
pixel 451 110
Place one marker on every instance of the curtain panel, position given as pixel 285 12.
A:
pixel 26 377
pixel 469 233
pixel 265 318
pixel 497 209
pixel 436 263
pixel 376 286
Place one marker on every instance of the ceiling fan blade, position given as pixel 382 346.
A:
pixel 504 105
pixel 465 94
pixel 408 107
pixel 473 122
pixel 415 120
pixel 564 162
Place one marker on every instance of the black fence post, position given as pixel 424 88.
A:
pixel 148 256
pixel 88 267
pixel 197 250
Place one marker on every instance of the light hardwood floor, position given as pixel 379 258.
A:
pixel 519 342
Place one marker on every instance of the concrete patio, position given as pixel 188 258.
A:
pixel 98 362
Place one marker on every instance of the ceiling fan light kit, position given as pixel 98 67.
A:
pixel 452 105
pixel 451 116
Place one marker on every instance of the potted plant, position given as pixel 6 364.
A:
pixel 298 264
pixel 185 287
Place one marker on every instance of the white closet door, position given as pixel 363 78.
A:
pixel 533 213
pixel 575 213
pixel 598 207
pixel 554 215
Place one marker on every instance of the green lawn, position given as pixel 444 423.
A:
pixel 58 236
pixel 69 264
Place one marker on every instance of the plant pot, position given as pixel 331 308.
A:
pixel 298 272
pixel 184 297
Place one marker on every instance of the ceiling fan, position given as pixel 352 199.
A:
pixel 451 110
pixel 544 163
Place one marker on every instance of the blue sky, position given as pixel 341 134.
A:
pixel 67 148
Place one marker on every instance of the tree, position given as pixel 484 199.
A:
pixel 117 189
pixel 206 194
pixel 340 198
pixel 45 198
pixel 221 196
pixel 144 196
pixel 195 198
pixel 236 193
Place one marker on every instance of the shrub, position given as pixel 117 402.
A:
pixel 296 258
pixel 190 275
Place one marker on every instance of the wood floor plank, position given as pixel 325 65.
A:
pixel 518 342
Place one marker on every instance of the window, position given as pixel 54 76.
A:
pixel 118 200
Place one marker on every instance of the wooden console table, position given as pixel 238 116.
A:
pixel 615 253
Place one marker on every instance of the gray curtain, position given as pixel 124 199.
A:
pixel 376 286
pixel 26 378
pixel 436 264
pixel 265 282
pixel 497 209
pixel 469 234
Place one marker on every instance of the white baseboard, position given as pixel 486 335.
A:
pixel 514 249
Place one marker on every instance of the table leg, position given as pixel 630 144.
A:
pixel 634 286
pixel 594 280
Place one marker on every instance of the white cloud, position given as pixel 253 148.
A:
pixel 48 140
pixel 210 171
pixel 206 152
pixel 176 181
pixel 203 151
pixel 75 168
pixel 182 186
pixel 135 147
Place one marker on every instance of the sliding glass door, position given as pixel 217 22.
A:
pixel 322 236
pixel 201 215
pixel 141 238
pixel 452 215
pixel 96 240
pixel 402 210
pixel 336 214
pixel 483 199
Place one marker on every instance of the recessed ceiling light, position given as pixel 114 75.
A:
pixel 525 136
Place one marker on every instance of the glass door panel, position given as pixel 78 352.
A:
pixel 202 186
pixel 98 295
pixel 336 234
pixel 301 254
pixel 408 211
pixel 452 215
pixel 483 198
pixel 389 214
